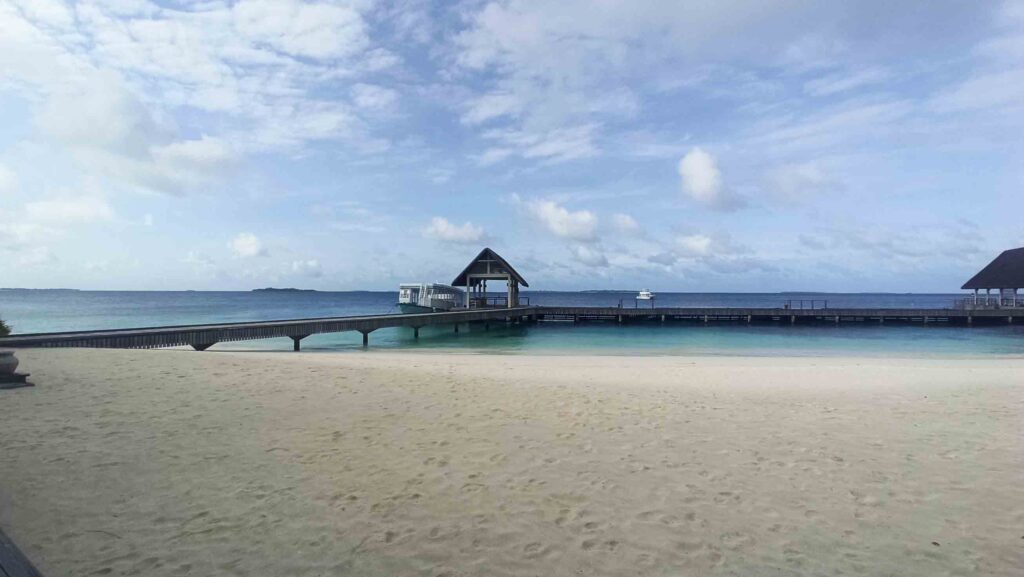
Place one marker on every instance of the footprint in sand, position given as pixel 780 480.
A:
pixel 734 540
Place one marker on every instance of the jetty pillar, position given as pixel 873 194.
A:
pixel 749 318
pixel 705 319
pixel 970 320
pixel 415 332
pixel 837 319
pixel 456 328
pixel 295 342
pixel 792 319
pixel 366 338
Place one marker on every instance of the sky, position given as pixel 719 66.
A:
pixel 678 145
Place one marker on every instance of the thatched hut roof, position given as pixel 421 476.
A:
pixel 488 264
pixel 1006 271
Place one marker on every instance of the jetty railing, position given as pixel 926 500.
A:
pixel 812 304
pixel 991 303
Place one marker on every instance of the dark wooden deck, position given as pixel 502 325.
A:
pixel 202 337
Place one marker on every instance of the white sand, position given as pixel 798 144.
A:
pixel 379 463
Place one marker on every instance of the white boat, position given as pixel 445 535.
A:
pixel 428 298
pixel 645 295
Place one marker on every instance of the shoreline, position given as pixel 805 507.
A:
pixel 427 463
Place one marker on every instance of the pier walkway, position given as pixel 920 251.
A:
pixel 201 337
pixel 786 315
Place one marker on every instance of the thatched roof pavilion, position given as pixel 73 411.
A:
pixel 488 265
pixel 1004 274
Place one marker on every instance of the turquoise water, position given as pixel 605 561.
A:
pixel 49 311
pixel 681 339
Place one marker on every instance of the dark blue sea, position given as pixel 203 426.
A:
pixel 32 311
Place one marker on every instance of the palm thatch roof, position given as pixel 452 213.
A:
pixel 1006 271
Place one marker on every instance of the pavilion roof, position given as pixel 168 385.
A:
pixel 1006 271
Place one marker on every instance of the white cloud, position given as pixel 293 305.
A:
pixel 247 245
pixel 69 211
pixel 8 180
pixel 315 30
pixel 701 178
pixel 440 175
pixel 800 181
pixel 558 145
pixel 624 223
pixel 694 245
pixel 842 82
pixel 34 256
pixel 491 106
pixel 441 229
pixel 309 268
pixel 579 225
pixel 589 255
pixel 373 97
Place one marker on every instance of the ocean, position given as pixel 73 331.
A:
pixel 33 311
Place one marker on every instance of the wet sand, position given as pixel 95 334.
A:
pixel 396 463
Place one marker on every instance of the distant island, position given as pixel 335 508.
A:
pixel 282 290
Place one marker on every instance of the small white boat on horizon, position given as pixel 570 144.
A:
pixel 645 295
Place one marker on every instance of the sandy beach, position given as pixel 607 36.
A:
pixel 400 463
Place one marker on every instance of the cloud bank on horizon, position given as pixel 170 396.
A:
pixel 742 145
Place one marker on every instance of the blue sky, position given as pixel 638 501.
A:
pixel 736 145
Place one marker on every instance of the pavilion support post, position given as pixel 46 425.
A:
pixel 988 293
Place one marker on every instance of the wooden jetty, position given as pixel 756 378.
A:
pixel 202 337
pixel 783 315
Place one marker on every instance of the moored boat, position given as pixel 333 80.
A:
pixel 428 298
